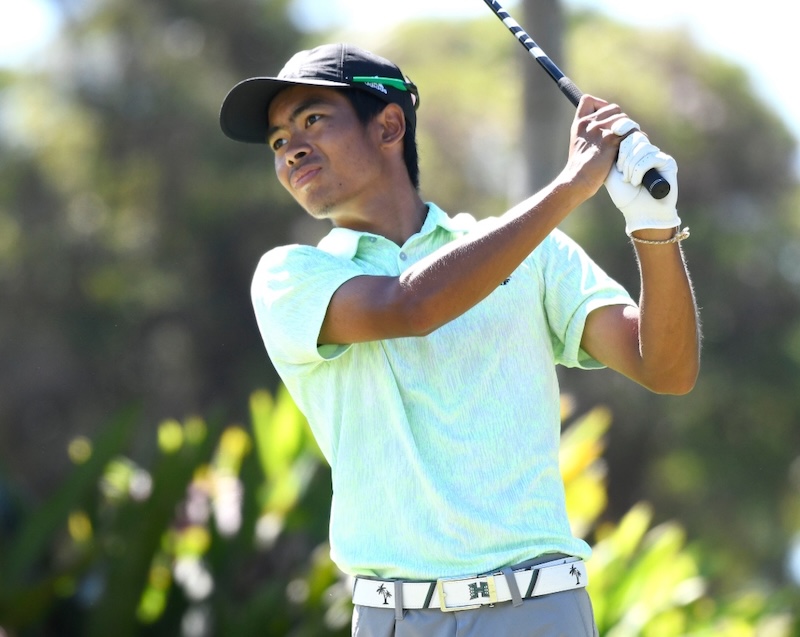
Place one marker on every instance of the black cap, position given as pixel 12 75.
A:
pixel 244 110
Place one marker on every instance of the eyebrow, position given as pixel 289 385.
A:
pixel 311 102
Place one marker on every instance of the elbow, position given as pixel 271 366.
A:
pixel 673 388
pixel 677 383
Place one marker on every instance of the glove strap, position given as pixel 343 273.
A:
pixel 679 236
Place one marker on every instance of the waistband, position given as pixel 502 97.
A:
pixel 468 592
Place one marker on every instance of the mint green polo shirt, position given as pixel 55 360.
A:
pixel 443 448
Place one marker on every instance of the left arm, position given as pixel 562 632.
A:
pixel 656 344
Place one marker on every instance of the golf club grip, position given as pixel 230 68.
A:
pixel 656 185
pixel 569 89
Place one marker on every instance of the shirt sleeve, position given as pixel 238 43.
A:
pixel 574 286
pixel 291 290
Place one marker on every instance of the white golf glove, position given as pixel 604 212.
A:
pixel 636 156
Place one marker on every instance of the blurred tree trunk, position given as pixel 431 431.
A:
pixel 547 112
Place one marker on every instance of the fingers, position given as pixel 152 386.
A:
pixel 623 126
pixel 603 126
pixel 608 117
pixel 623 148
pixel 637 155
pixel 634 152
pixel 597 110
pixel 588 104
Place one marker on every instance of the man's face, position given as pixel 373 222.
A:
pixel 324 157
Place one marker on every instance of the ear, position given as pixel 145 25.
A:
pixel 392 125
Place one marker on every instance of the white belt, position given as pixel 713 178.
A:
pixel 462 593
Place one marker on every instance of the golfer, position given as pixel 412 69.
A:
pixel 422 346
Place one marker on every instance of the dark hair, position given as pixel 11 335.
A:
pixel 368 106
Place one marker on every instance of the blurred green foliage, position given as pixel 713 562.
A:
pixel 225 534
pixel 221 535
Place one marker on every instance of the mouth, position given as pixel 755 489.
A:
pixel 302 176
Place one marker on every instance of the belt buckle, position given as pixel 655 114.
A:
pixel 480 587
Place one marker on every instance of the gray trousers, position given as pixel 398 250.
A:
pixel 567 614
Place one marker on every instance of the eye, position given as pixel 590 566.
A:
pixel 311 119
pixel 277 143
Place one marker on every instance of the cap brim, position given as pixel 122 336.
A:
pixel 243 116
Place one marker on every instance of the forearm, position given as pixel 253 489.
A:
pixel 453 279
pixel 669 335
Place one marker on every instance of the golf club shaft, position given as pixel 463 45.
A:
pixel 655 184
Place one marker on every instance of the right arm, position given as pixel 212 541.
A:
pixel 456 277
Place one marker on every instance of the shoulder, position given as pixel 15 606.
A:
pixel 289 256
pixel 291 290
pixel 284 263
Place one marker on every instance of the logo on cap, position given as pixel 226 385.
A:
pixel 377 87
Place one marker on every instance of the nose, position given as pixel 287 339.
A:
pixel 297 149
pixel 295 157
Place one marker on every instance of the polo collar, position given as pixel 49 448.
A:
pixel 343 242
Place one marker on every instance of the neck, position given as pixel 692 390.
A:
pixel 396 216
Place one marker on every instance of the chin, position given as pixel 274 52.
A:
pixel 319 209
pixel 318 212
